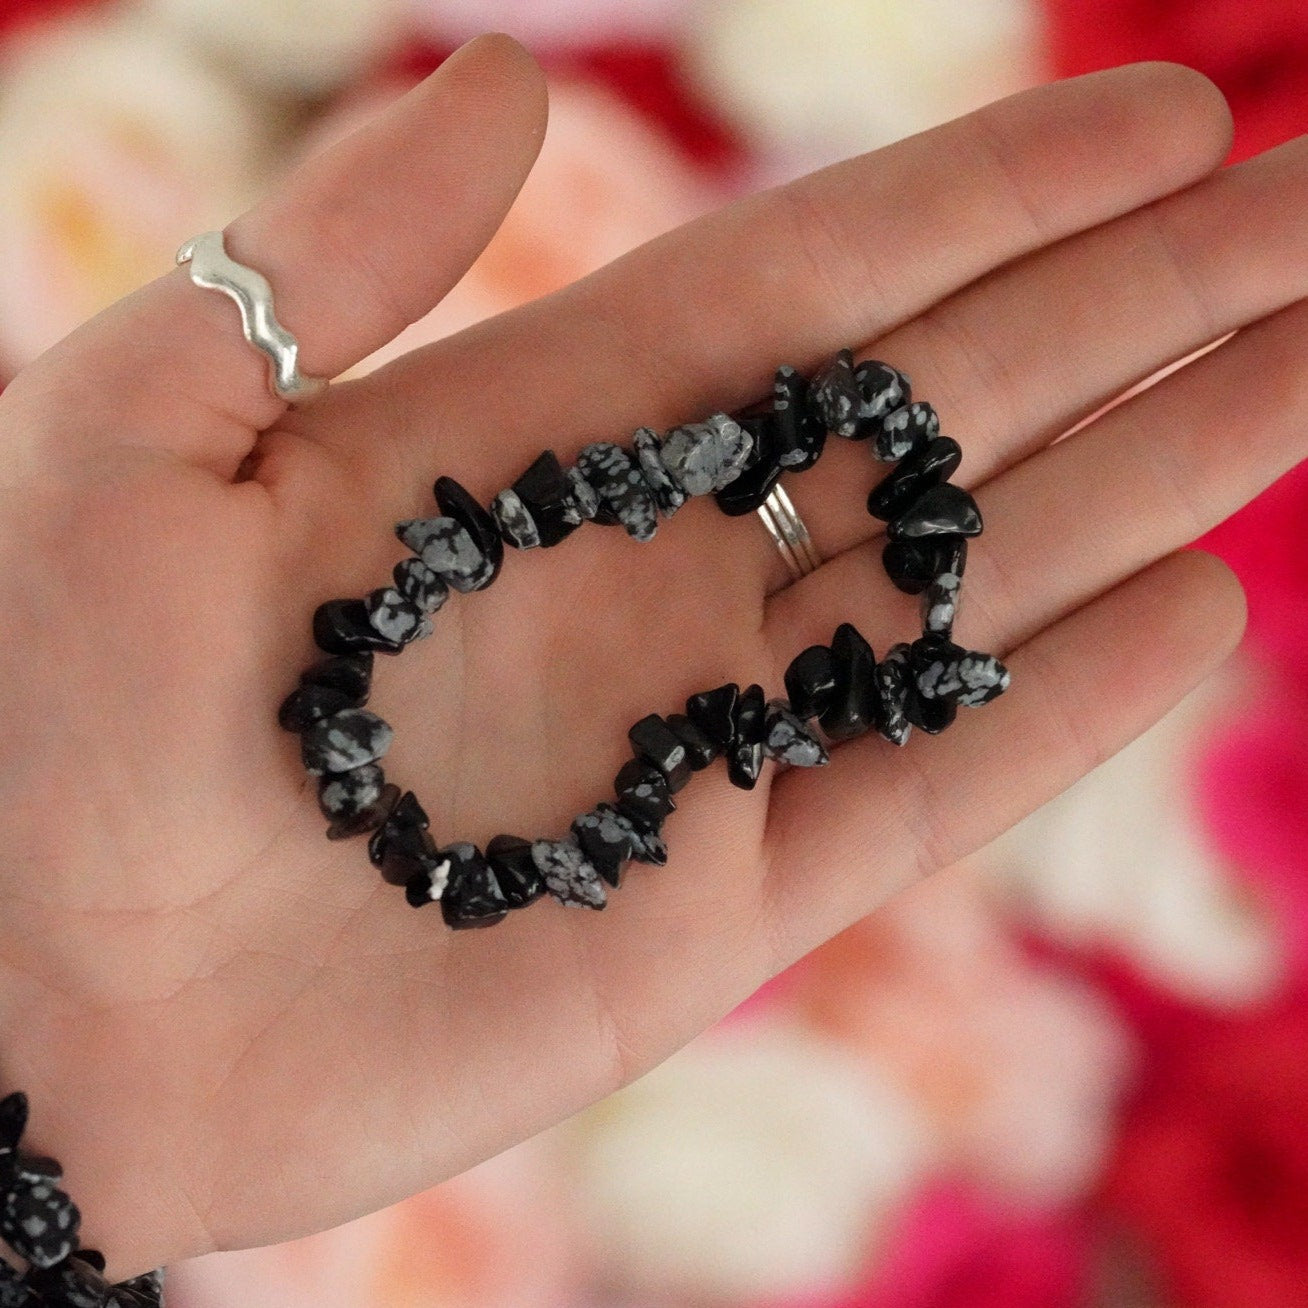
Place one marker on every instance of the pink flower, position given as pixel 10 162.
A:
pixel 955 1248
pixel 1253 786
pixel 1264 543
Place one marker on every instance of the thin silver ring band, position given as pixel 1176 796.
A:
pixel 214 269
pixel 787 530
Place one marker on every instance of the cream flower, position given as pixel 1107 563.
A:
pixel 118 144
pixel 1119 860
pixel 296 47
pixel 544 22
pixel 855 74
pixel 755 1162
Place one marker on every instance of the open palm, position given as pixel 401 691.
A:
pixel 231 1030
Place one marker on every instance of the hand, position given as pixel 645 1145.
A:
pixel 231 1030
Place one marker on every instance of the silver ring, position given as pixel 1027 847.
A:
pixel 213 268
pixel 787 529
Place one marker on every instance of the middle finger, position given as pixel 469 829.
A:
pixel 1019 357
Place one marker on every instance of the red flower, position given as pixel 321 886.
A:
pixel 1212 1165
pixel 16 13
pixel 1255 50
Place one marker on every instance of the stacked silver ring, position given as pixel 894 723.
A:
pixel 787 529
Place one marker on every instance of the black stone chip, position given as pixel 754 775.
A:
pixel 343 795
pixel 519 878
pixel 547 493
pixel 76 1283
pixel 850 712
pixel 700 750
pixel 761 473
pixel 607 841
pixel 13 1119
pixel 351 674
pixel 906 431
pixel 935 462
pixel 745 752
pixel 654 741
pixel 799 437
pixel 713 712
pixel 811 681
pixel 402 846
pixel 368 819
pixel 914 564
pixel 309 704
pixel 455 501
pixel 643 793
pixel 931 715
pixel 343 627
pixel 942 510
pixel 473 896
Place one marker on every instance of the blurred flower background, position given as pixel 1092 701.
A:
pixel 1069 1073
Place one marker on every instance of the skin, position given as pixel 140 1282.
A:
pixel 231 1030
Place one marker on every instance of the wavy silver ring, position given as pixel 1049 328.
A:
pixel 214 269
pixel 787 529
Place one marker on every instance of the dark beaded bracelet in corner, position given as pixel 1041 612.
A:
pixel 738 459
pixel 40 1222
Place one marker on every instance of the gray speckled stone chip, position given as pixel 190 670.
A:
pixel 582 495
pixel 667 494
pixel 343 795
pixel 905 431
pixel 447 548
pixel 514 520
pixel 703 457
pixel 881 389
pixel 834 399
pixel 621 488
pixel 939 603
pixel 346 740
pixel 39 1222
pixel 396 617
pixel 569 875
pixel 890 685
pixel 787 738
pixel 983 677
pixel 647 846
pixel 417 582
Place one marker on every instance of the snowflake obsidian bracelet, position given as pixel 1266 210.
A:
pixel 39 1222
pixel 738 459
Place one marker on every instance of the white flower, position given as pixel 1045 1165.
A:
pixel 754 1162
pixel 118 143
pixel 303 47
pixel 855 74
pixel 1119 859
